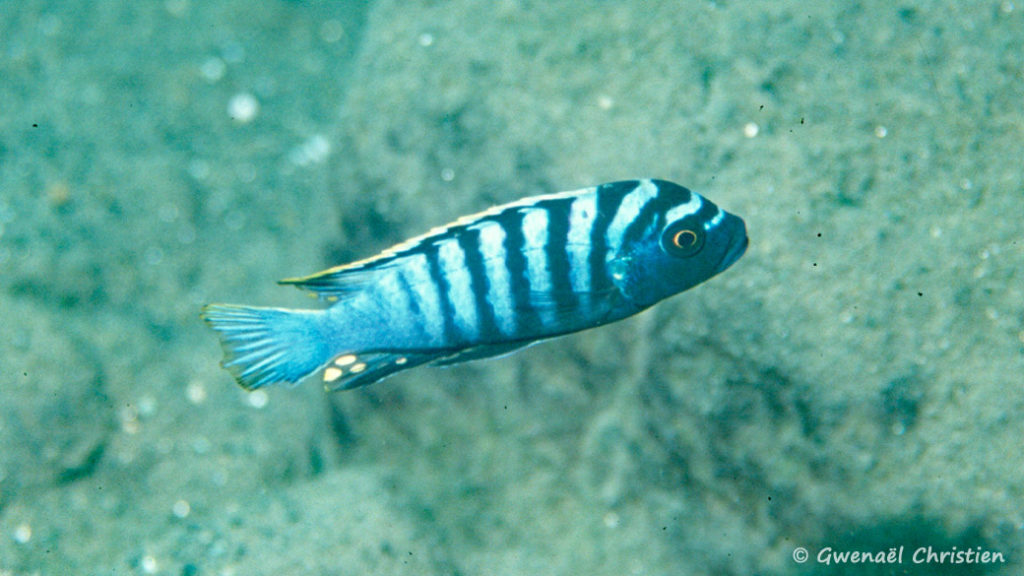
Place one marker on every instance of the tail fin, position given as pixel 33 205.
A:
pixel 264 346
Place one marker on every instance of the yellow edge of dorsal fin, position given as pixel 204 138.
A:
pixel 335 272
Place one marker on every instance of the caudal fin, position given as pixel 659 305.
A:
pixel 264 346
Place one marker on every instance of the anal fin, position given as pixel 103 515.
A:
pixel 352 370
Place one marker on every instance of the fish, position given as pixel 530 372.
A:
pixel 486 285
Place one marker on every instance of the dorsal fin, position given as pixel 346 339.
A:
pixel 339 281
pixel 334 283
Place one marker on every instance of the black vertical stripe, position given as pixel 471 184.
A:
pixel 443 293
pixel 557 252
pixel 609 198
pixel 707 212
pixel 487 327
pixel 414 310
pixel 527 322
pixel 651 215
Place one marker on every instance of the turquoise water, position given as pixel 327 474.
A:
pixel 853 383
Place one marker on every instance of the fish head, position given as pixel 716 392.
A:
pixel 689 242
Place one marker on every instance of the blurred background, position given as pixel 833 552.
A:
pixel 854 382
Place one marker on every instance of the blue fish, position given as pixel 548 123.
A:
pixel 486 285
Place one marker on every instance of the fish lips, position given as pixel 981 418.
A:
pixel 739 243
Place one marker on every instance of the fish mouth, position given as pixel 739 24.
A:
pixel 734 253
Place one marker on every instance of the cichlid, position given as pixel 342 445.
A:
pixel 486 285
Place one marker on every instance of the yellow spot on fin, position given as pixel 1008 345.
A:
pixel 352 370
pixel 345 360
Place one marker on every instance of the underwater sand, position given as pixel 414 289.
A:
pixel 854 382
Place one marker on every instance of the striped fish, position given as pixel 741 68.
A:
pixel 486 285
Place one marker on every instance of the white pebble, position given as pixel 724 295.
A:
pixel 213 69
pixel 243 107
pixel 196 392
pixel 181 508
pixel 22 534
pixel 611 520
pixel 147 404
pixel 332 31
pixel 312 151
pixel 176 8
pixel 258 399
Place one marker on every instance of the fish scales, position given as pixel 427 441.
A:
pixel 486 285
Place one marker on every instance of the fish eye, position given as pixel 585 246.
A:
pixel 683 238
